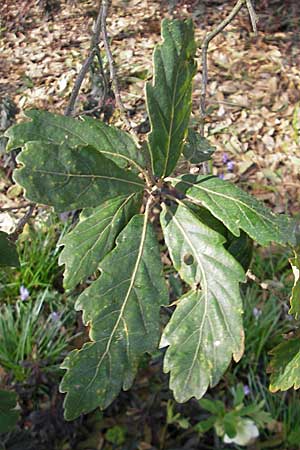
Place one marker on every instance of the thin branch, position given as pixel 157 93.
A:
pixel 204 48
pixel 102 72
pixel 94 51
pixel 16 207
pixel 21 224
pixel 253 15
pixel 99 30
pixel 79 80
pixel 90 111
pixel 95 40
pixel 231 104
pixel 112 70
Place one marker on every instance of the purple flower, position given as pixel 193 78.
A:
pixel 246 389
pixel 24 293
pixel 54 316
pixel 224 158
pixel 64 216
pixel 230 166
pixel 221 176
pixel 256 312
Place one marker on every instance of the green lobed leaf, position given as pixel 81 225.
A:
pixel 8 251
pixel 213 406
pixel 69 178
pixel 238 395
pixel 94 236
pixel 122 310
pixel 206 328
pixel 295 297
pixel 241 247
pixel 235 208
pixel 8 414
pixel 285 365
pixel 169 96
pixel 255 411
pixel 207 218
pixel 61 130
pixel 230 422
pixel 197 149
pixel 205 425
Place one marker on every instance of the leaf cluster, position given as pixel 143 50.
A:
pixel 236 424
pixel 207 223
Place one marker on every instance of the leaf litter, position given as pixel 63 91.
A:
pixel 253 88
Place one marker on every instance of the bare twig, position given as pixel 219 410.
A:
pixel 95 40
pixel 231 104
pixel 22 222
pixel 253 15
pixel 90 111
pixel 94 51
pixel 204 49
pixel 99 30
pixel 112 70
pixel 102 72
pixel 16 207
pixel 79 80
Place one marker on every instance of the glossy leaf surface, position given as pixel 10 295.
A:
pixel 94 237
pixel 122 310
pixel 57 129
pixel 169 96
pixel 234 207
pixel 69 178
pixel 206 327
pixel 240 247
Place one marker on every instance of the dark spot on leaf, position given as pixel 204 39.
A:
pixel 188 259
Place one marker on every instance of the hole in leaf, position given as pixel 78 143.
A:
pixel 188 259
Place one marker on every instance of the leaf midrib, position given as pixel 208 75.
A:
pixel 122 309
pixel 205 289
pixel 71 132
pixel 105 177
pixel 171 124
pixel 232 199
pixel 84 141
pixel 110 224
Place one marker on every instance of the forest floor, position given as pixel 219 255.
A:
pixel 254 122
pixel 253 89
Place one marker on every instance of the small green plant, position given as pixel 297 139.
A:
pixel 128 192
pixel 116 435
pixel 265 320
pixel 37 259
pixel 238 424
pixel 174 418
pixel 28 339
pixel 284 408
